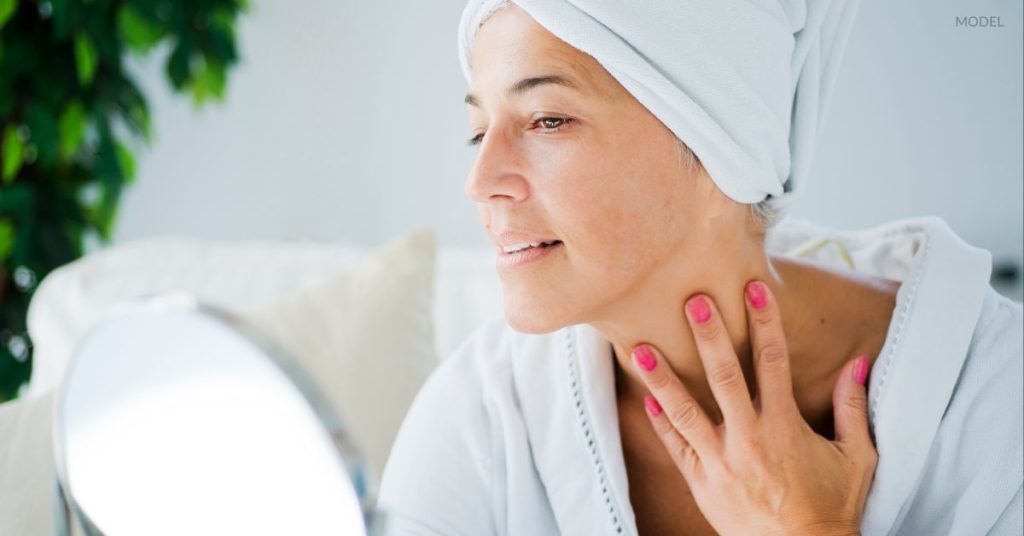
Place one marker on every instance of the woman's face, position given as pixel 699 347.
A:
pixel 583 162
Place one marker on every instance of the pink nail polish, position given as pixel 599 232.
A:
pixel 756 295
pixel 652 405
pixel 699 309
pixel 860 369
pixel 644 357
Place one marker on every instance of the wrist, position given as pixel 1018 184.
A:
pixel 825 528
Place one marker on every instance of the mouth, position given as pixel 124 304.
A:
pixel 526 246
pixel 527 254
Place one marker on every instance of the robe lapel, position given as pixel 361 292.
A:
pixel 565 383
pixel 912 381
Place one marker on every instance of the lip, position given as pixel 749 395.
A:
pixel 508 261
pixel 510 237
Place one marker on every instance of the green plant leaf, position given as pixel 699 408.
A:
pixel 85 58
pixel 208 81
pixel 138 32
pixel 178 65
pixel 126 161
pixel 7 8
pixel 6 238
pixel 71 128
pixel 12 153
pixel 42 122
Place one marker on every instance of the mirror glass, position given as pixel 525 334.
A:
pixel 177 418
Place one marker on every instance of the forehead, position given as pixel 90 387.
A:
pixel 511 46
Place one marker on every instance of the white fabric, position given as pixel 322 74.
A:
pixel 518 433
pixel 365 336
pixel 27 476
pixel 236 276
pixel 744 83
pixel 362 333
pixel 467 294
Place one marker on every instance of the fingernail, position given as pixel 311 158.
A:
pixel 699 309
pixel 860 369
pixel 755 293
pixel 652 405
pixel 644 357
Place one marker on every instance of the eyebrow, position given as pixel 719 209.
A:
pixel 525 85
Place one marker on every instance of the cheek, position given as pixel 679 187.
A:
pixel 622 218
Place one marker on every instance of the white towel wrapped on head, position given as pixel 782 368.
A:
pixel 742 82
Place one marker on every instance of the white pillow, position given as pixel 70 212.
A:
pixel 236 275
pixel 27 476
pixel 364 335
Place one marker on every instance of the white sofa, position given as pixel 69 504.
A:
pixel 240 277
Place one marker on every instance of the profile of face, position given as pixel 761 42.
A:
pixel 570 155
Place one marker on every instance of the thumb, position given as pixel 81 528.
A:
pixel 850 404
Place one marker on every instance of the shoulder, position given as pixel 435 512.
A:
pixel 1000 326
pixel 980 448
pixel 993 371
pixel 454 396
pixel 972 468
pixel 439 474
pixel 990 389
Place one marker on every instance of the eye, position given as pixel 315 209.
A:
pixel 552 124
pixel 558 122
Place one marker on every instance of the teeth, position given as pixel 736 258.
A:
pixel 519 247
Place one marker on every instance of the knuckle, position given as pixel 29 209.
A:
pixel 684 415
pixel 681 452
pixel 763 318
pixel 873 459
pixel 659 382
pixel 772 354
pixel 865 470
pixel 856 405
pixel 728 375
pixel 750 445
pixel 710 332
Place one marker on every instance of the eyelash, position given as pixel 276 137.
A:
pixel 475 140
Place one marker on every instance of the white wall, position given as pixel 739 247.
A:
pixel 345 122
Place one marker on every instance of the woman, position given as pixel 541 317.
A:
pixel 667 364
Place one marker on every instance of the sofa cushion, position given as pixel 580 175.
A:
pixel 364 334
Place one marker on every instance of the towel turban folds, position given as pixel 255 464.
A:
pixel 743 83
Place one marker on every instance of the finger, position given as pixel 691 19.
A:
pixel 684 455
pixel 771 358
pixel 850 409
pixel 720 363
pixel 681 409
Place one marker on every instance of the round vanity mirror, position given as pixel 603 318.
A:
pixel 177 418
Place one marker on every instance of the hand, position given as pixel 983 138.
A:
pixel 763 470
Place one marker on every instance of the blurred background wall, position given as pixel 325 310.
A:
pixel 344 122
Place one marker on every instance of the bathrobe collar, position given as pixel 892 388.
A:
pixel 566 386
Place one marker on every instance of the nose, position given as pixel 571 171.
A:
pixel 497 173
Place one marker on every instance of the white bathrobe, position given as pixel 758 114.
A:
pixel 518 434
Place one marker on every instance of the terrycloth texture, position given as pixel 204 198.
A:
pixel 519 433
pixel 744 83
pixel 363 334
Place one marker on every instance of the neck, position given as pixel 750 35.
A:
pixel 653 313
